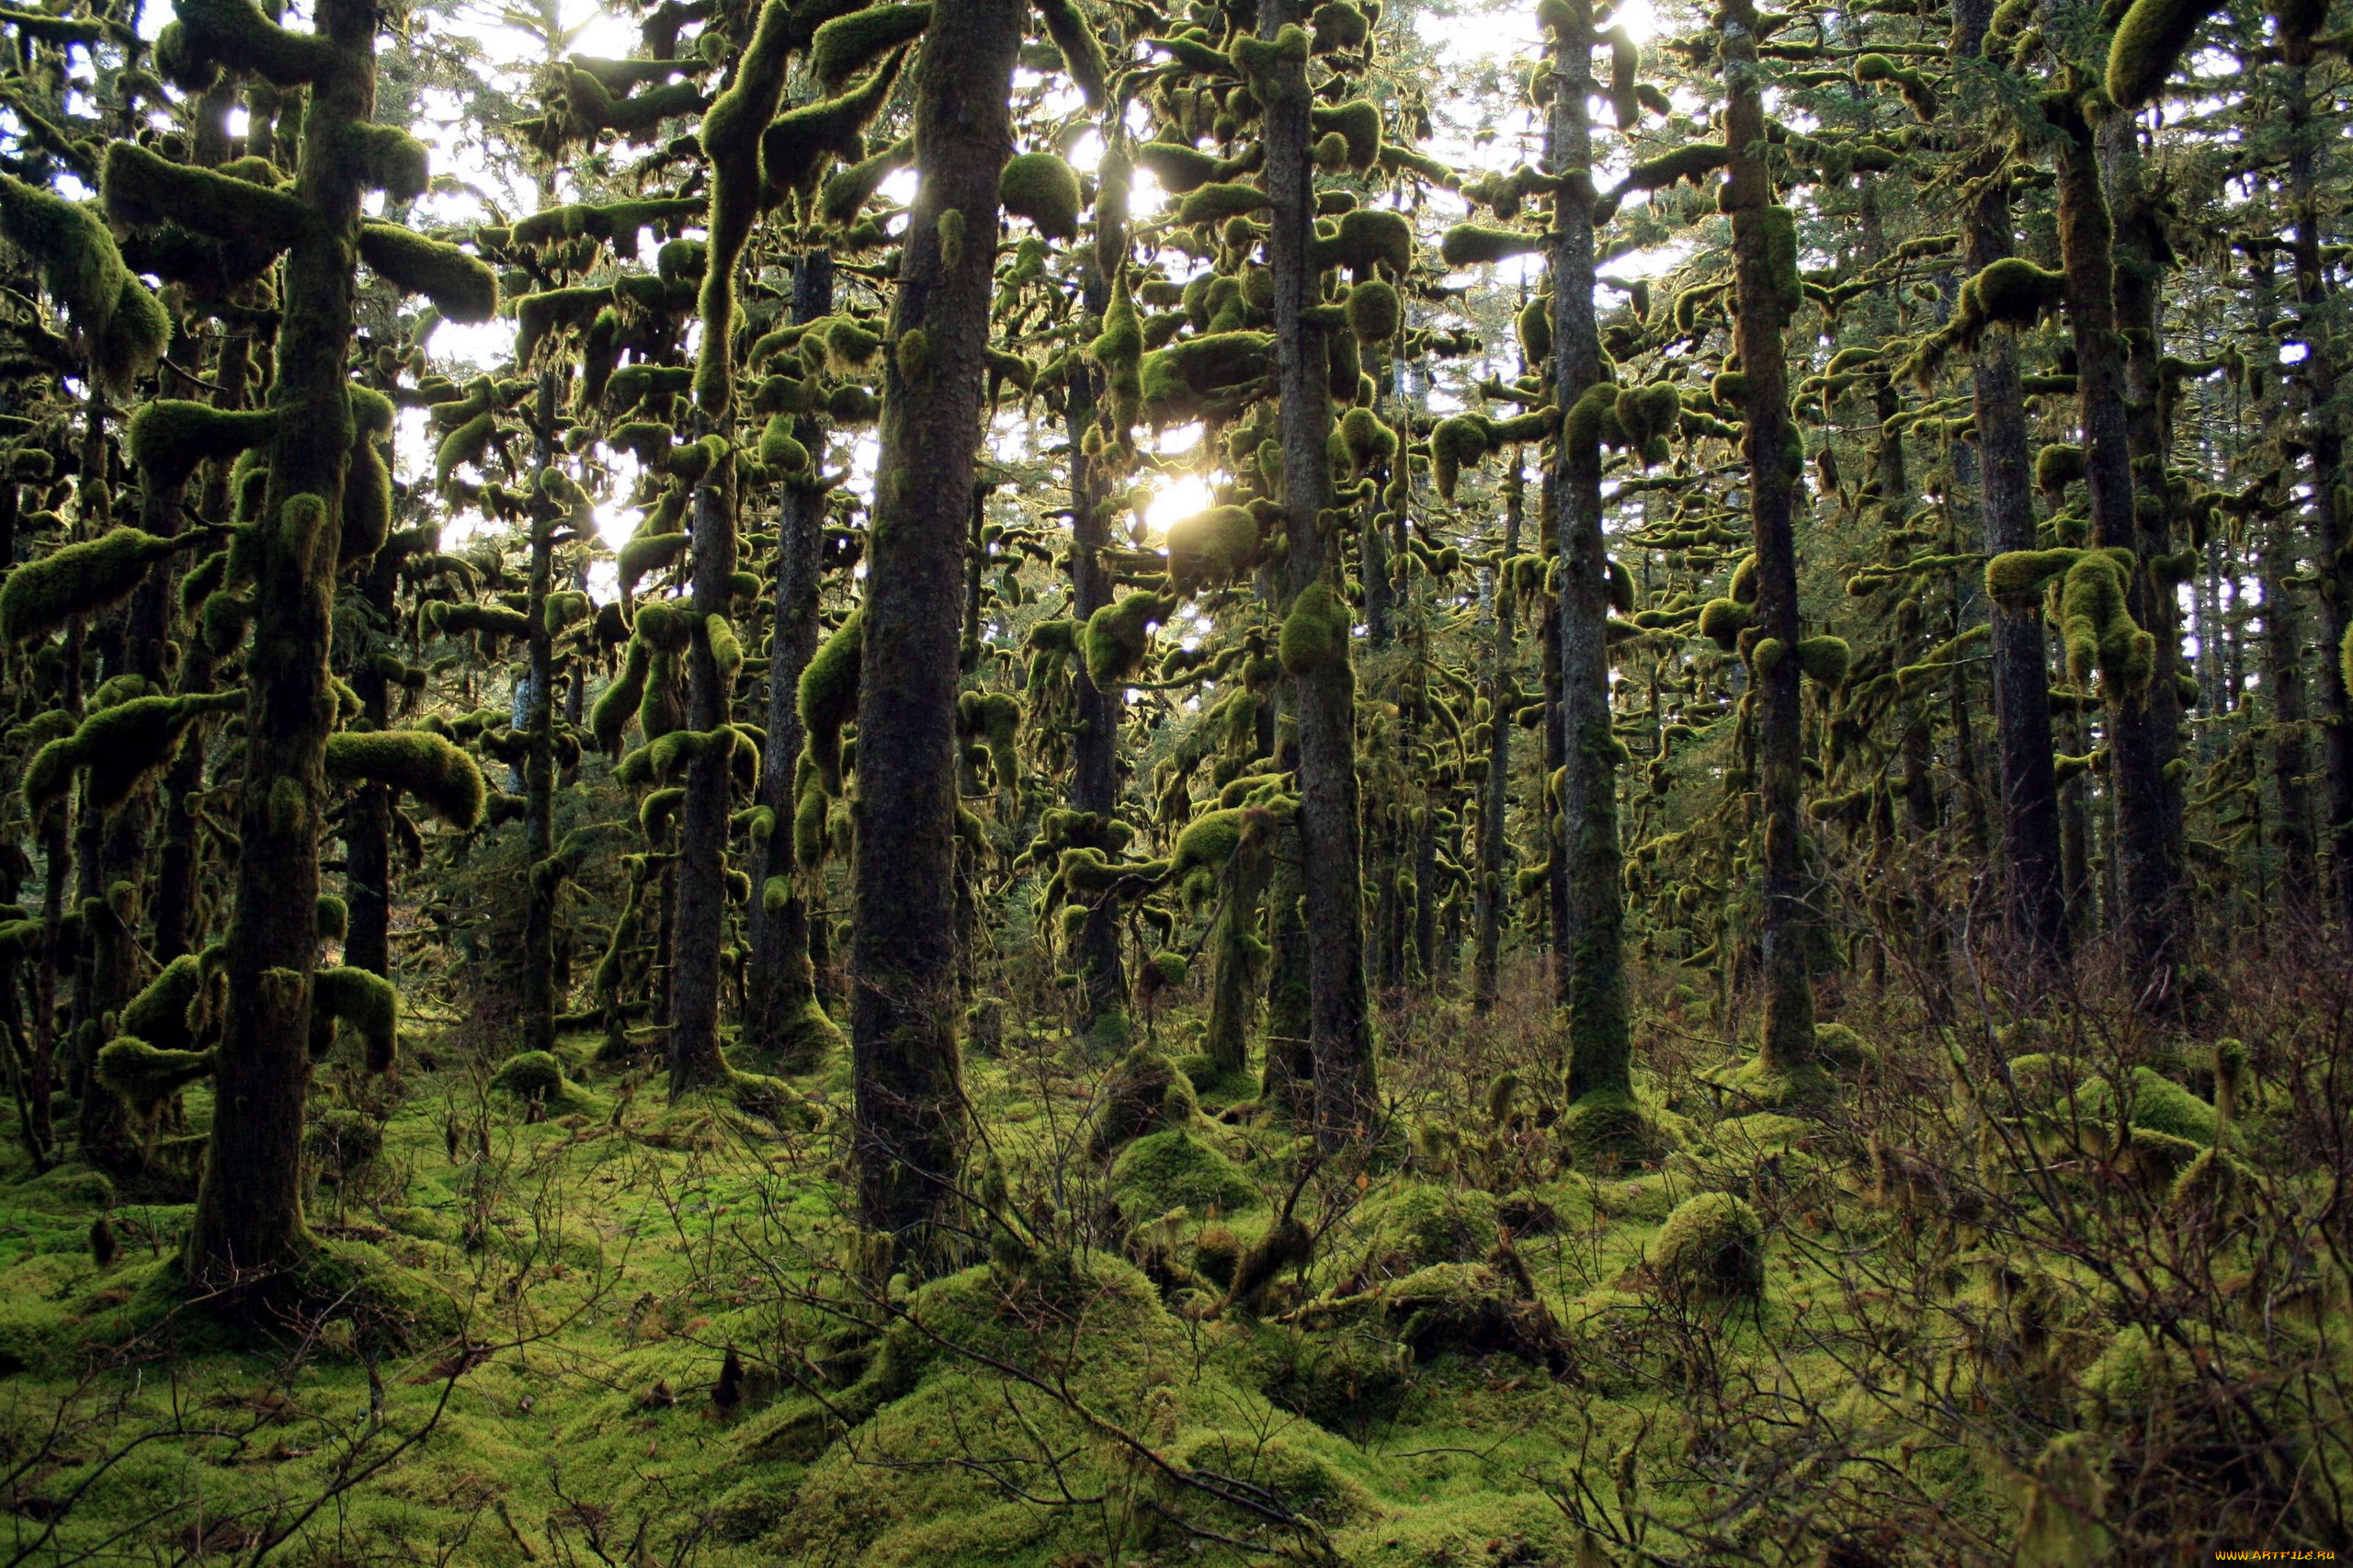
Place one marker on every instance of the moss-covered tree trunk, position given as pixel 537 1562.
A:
pixel 783 1024
pixel 173 908
pixel 1495 790
pixel 2142 878
pixel 538 1001
pixel 1325 690
pixel 2323 437
pixel 698 918
pixel 249 1210
pixel 1593 974
pixel 1236 949
pixel 908 1141
pixel 2034 904
pixel 1095 778
pixel 1765 270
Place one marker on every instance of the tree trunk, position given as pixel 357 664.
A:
pixel 2323 435
pixel 1594 968
pixel 1346 1103
pixel 903 1016
pixel 538 740
pixel 1764 303
pixel 249 1211
pixel 783 1023
pixel 698 918
pixel 1494 792
pixel 2034 904
pixel 2142 878
pixel 1095 781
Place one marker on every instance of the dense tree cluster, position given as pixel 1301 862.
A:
pixel 1174 540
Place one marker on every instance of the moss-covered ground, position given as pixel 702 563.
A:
pixel 608 1328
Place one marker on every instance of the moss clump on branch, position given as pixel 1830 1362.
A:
pixel 2148 45
pixel 827 698
pixel 848 44
pixel 1315 632
pixel 1081 49
pixel 1476 245
pixel 235 33
pixel 121 746
pixel 143 1076
pixel 2097 624
pixel 796 146
pixel 45 593
pixel 143 189
pixel 170 437
pixel 462 286
pixel 1118 635
pixel 1216 546
pixel 1042 189
pixel 126 327
pixel 425 765
pixel 366 1003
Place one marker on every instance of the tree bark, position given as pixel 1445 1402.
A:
pixel 2144 879
pixel 1593 968
pixel 909 1137
pixel 783 1023
pixel 1787 1050
pixel 1095 781
pixel 2034 904
pixel 1346 1103
pixel 1494 792
pixel 249 1210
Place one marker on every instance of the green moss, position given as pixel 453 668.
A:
pixel 2148 45
pixel 848 44
pixel 2099 627
pixel 1418 1226
pixel 1082 52
pixel 45 593
pixel 1220 545
pixel 1042 189
pixel 1711 1247
pixel 365 1003
pixel 828 696
pixel 1368 237
pixel 143 189
pixel 1315 632
pixel 144 1076
pixel 126 326
pixel 1476 245
pixel 797 146
pixel 427 765
pixel 462 286
pixel 169 438
pixel 1176 1169
pixel 1118 635
pixel 2156 1104
pixel 1356 122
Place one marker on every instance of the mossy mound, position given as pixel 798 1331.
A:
pixel 1144 1092
pixel 1175 1169
pixel 1423 1225
pixel 1713 1246
pixel 2155 1104
pixel 1469 1309
pixel 538 1077
pixel 1607 1129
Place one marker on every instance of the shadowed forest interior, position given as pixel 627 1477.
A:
pixel 1424 783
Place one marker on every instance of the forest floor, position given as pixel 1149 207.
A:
pixel 605 1329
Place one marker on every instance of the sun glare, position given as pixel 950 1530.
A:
pixel 1637 19
pixel 1180 498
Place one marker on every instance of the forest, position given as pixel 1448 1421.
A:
pixel 1103 783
